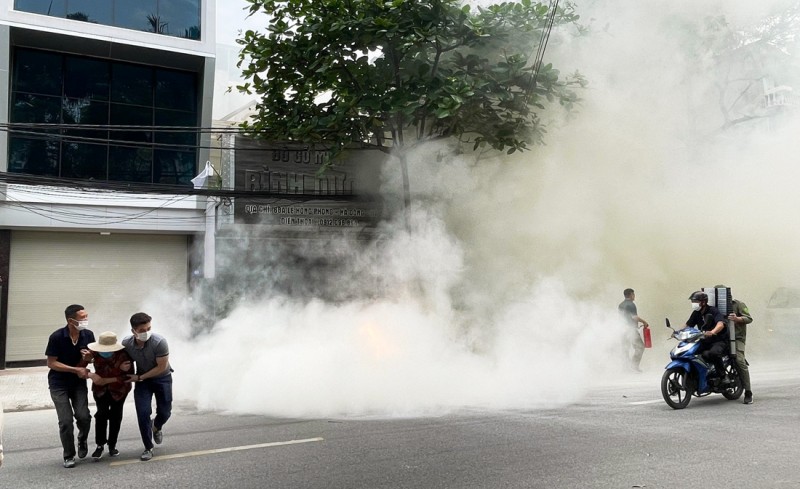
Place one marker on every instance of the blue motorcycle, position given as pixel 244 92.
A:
pixel 688 374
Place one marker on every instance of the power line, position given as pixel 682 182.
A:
pixel 44 132
pixel 102 186
pixel 539 59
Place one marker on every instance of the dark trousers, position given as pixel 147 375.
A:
pixel 712 352
pixel 143 393
pixel 72 402
pixel 107 419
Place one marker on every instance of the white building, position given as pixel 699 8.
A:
pixel 71 69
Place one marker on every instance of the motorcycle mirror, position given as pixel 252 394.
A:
pixel 668 325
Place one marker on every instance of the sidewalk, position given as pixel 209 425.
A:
pixel 25 389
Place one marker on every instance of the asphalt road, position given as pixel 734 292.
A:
pixel 621 436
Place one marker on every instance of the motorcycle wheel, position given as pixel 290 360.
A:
pixel 675 388
pixel 734 391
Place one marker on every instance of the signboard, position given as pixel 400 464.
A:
pixel 291 195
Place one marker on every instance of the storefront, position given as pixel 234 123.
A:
pixel 112 274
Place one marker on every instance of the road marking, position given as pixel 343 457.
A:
pixel 217 450
pixel 639 403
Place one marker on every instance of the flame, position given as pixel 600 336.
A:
pixel 377 342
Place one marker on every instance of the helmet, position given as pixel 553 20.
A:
pixel 698 297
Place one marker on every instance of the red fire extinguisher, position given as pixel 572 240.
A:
pixel 648 342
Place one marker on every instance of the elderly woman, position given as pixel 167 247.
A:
pixel 111 367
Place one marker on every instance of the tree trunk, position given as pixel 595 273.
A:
pixel 406 187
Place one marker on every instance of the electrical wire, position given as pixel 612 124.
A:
pixel 539 59
pixel 143 217
pixel 85 218
pixel 102 186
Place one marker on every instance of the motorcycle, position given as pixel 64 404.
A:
pixel 689 375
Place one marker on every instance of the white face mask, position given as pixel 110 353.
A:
pixel 82 325
pixel 695 306
pixel 143 336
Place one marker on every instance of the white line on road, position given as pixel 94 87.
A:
pixel 218 450
pixel 639 403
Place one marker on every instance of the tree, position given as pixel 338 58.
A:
pixel 393 74
pixel 749 65
pixel 156 24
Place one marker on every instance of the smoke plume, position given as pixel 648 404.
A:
pixel 502 291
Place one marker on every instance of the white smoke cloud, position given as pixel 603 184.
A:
pixel 503 291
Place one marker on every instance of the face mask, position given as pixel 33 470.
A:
pixel 82 325
pixel 695 306
pixel 106 354
pixel 143 336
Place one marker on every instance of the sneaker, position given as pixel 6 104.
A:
pixel 748 397
pixel 83 449
pixel 113 452
pixel 146 455
pixel 97 454
pixel 158 436
pixel 69 462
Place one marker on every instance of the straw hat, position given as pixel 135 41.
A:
pixel 106 343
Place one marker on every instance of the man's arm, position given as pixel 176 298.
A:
pixel 53 363
pixel 717 328
pixel 694 319
pixel 162 364
pixel 741 314
pixel 640 319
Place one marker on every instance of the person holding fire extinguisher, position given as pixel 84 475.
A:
pixel 627 309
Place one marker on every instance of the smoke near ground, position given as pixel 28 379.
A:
pixel 502 293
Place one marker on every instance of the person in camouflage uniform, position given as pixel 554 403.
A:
pixel 741 318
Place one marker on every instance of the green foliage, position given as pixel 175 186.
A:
pixel 396 72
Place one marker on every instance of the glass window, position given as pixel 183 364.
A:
pixel 94 11
pixel 132 84
pixel 35 109
pixel 174 167
pixel 33 156
pixel 187 137
pixel 37 72
pixel 182 17
pixel 141 15
pixel 128 115
pixel 85 112
pixel 176 90
pixel 55 8
pixel 98 94
pixel 179 18
pixel 130 164
pixel 80 160
pixel 86 78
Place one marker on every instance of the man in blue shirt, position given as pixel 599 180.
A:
pixel 67 357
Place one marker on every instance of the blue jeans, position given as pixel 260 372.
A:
pixel 161 388
pixel 69 402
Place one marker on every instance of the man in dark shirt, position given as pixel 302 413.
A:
pixel 710 320
pixel 67 356
pixel 627 309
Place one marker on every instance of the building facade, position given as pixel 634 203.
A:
pixel 102 122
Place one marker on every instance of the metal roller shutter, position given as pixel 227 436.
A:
pixel 111 275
